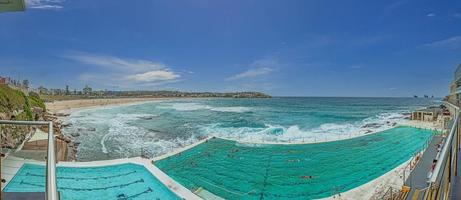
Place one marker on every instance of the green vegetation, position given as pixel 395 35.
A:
pixel 15 101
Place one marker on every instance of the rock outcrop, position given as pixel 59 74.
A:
pixel 15 105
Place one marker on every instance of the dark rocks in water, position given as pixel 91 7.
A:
pixel 156 131
pixel 66 124
pixel 368 131
pixel 75 134
pixel 62 114
pixel 86 129
pixel 148 117
pixel 372 125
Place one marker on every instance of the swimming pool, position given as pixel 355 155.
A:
pixel 117 182
pixel 235 170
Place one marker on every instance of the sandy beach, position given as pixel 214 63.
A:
pixel 67 105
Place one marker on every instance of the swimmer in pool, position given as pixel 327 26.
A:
pixel 307 177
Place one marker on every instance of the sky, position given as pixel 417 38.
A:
pixel 395 48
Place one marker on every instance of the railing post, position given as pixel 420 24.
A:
pixel 51 189
pixel 51 192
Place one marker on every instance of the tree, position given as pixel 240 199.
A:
pixel 25 84
pixel 87 90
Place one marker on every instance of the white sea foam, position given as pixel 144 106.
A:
pixel 118 137
pixel 293 134
pixel 237 109
pixel 198 106
pixel 185 106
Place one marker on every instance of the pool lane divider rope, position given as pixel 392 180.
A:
pixel 123 197
pixel 87 189
pixel 84 178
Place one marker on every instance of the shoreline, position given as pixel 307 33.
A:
pixel 65 107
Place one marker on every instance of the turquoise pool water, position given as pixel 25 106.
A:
pixel 155 128
pixel 243 171
pixel 118 182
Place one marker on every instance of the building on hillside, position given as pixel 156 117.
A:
pixel 455 87
pixel 428 114
pixel 3 81
pixel 440 116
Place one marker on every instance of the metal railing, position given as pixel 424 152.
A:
pixel 51 192
pixel 440 182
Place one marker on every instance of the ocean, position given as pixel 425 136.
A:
pixel 158 127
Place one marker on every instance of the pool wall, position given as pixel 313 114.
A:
pixel 171 184
pixel 168 182
pixel 389 166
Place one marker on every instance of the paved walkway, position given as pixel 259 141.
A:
pixel 418 177
pixel 23 195
pixel 455 191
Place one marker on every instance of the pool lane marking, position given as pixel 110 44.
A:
pixel 87 189
pixel 137 195
pixel 84 178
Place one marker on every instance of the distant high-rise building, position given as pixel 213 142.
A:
pixel 455 87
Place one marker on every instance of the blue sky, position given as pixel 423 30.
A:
pixel 284 48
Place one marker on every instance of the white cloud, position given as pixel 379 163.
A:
pixel 448 43
pixel 115 62
pixel 397 4
pixel 258 68
pixel 154 76
pixel 122 72
pixel 252 73
pixel 431 15
pixel 45 4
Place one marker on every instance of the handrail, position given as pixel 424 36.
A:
pixel 452 105
pixel 447 145
pixel 51 192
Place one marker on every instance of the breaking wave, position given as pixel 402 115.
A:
pixel 198 106
pixel 293 134
pixel 128 140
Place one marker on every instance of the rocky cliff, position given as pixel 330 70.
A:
pixel 15 105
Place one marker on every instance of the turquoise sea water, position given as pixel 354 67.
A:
pixel 118 182
pixel 254 171
pixel 158 127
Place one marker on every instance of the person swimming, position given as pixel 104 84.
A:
pixel 307 177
